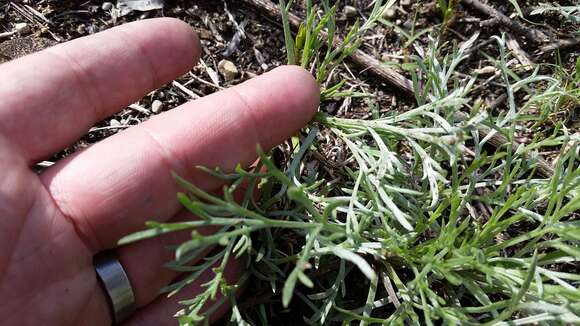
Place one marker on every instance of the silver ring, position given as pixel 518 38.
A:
pixel 116 284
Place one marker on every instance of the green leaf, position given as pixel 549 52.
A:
pixel 289 40
pixel 305 280
pixel 357 260
pixel 289 285
pixel 138 236
pixel 517 8
pixel 577 78
pixel 194 207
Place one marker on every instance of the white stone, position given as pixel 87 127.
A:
pixel 81 29
pixel 107 6
pixel 115 123
pixel 22 28
pixel 390 13
pixel 157 106
pixel 487 70
pixel 228 70
pixel 350 11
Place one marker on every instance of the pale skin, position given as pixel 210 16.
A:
pixel 53 223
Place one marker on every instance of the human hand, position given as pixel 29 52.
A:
pixel 52 223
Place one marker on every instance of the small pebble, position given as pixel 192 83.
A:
pixel 81 29
pixel 93 9
pixel 350 11
pixel 390 13
pixel 228 70
pixel 114 123
pixel 22 28
pixel 405 3
pixel 157 106
pixel 93 29
pixel 177 10
pixel 107 6
pixel 488 70
pixel 264 66
pixel 389 57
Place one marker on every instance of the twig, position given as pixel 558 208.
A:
pixel 109 128
pixel 498 140
pixel 22 12
pixel 186 90
pixel 358 57
pixel 139 108
pixel 6 35
pixel 531 34
pixel 35 18
pixel 560 44
pixel 38 14
pixel 390 290
pixel 517 51
pixel 240 34
pixel 202 81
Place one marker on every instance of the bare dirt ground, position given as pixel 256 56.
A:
pixel 261 47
